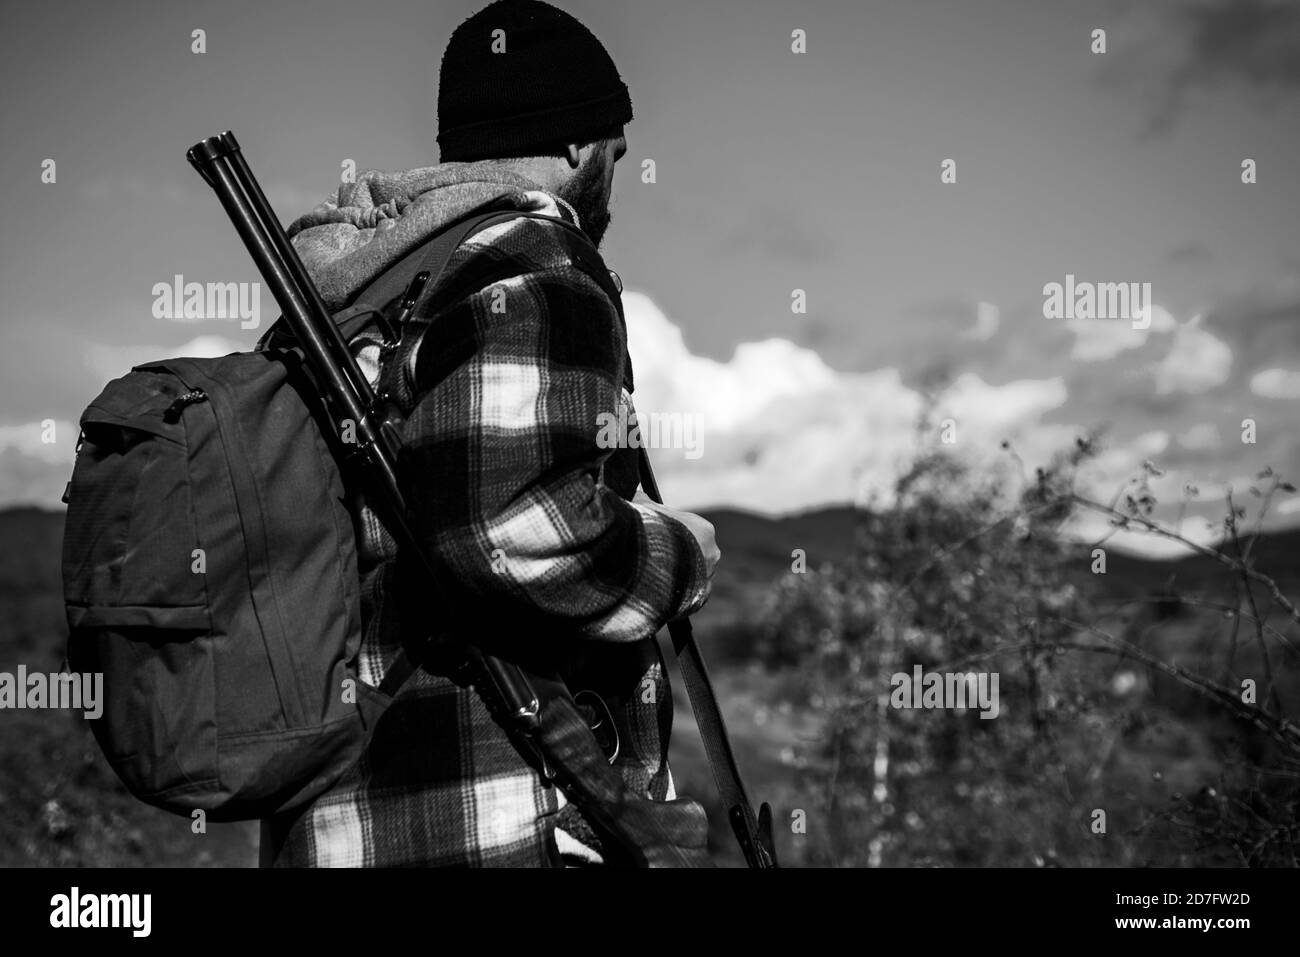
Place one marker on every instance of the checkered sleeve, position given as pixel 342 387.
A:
pixel 519 371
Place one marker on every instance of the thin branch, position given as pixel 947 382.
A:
pixel 1270 688
pixel 1237 613
pixel 1259 519
pixel 1223 559
pixel 1277 727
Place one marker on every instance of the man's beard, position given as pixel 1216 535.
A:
pixel 586 194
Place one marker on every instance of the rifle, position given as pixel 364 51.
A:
pixel 536 711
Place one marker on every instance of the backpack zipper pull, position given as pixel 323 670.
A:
pixel 173 412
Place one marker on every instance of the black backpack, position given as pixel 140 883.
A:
pixel 210 572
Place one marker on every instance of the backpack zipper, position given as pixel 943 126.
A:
pixel 173 412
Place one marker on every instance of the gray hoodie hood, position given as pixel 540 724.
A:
pixel 349 239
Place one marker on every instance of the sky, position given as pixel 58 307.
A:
pixel 775 171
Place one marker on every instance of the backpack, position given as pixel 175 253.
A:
pixel 210 571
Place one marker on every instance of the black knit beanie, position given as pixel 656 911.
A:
pixel 553 84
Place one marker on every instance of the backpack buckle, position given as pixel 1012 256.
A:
pixel 392 331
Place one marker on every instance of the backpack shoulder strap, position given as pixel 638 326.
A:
pixel 431 258
pixel 430 255
pixel 396 379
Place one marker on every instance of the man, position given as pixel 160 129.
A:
pixel 540 531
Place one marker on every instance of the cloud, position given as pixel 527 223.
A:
pixel 987 319
pixel 1114 465
pixel 783 432
pixel 1260 324
pixel 45 440
pixel 1246 41
pixel 1201 437
pixel 1192 45
pixel 109 362
pixel 1276 384
pixel 36 461
pixel 1096 340
pixel 998 409
pixel 1197 361
pixel 1093 527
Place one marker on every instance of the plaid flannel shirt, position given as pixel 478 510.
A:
pixel 529 518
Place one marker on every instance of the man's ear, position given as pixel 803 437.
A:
pixel 571 154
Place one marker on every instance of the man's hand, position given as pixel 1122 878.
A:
pixel 698 526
